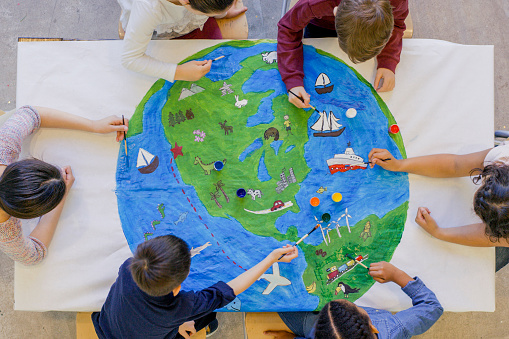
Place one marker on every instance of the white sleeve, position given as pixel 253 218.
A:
pixel 142 22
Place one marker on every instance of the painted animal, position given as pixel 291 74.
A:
pixel 197 250
pixel 235 305
pixel 240 103
pixel 181 219
pixel 254 193
pixel 271 132
pixel 227 129
pixel 207 168
pixel 189 114
pixel 269 57
pixel 346 289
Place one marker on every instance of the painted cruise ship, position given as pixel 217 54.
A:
pixel 346 161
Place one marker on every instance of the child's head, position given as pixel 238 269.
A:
pixel 161 264
pixel 343 319
pixel 210 6
pixel 491 201
pixel 363 27
pixel 30 188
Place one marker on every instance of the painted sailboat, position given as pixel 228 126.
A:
pixel 323 84
pixel 327 126
pixel 346 161
pixel 147 163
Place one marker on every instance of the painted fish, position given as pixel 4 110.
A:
pixel 181 218
pixel 321 190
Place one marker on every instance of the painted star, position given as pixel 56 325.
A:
pixel 177 150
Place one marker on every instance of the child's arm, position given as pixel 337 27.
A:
pixel 53 118
pixel 47 225
pixel 246 279
pixel 469 235
pixel 426 308
pixel 437 165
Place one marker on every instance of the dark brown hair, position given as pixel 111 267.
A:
pixel 491 200
pixel 160 264
pixel 363 27
pixel 30 188
pixel 210 6
pixel 341 319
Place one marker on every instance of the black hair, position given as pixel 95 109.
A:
pixel 160 264
pixel 30 188
pixel 210 6
pixel 341 319
pixel 491 200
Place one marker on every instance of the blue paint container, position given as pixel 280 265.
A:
pixel 218 165
pixel 241 193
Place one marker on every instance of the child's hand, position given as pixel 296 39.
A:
pixel 235 10
pixel 68 178
pixel 193 70
pixel 424 219
pixel 280 334
pixel 377 157
pixel 301 92
pixel 289 251
pixel 383 272
pixel 111 124
pixel 389 80
pixel 187 327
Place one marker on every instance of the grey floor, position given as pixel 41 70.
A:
pixel 466 22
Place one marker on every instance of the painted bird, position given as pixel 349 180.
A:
pixel 345 289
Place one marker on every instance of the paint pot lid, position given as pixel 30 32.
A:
pixel 218 165
pixel 326 217
pixel 241 193
pixel 314 201
pixel 337 197
pixel 351 113
pixel 394 129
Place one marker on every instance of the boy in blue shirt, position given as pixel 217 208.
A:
pixel 146 302
pixel 353 322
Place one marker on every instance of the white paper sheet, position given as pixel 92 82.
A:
pixel 443 102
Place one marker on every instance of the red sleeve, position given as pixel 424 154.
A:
pixel 389 57
pixel 290 57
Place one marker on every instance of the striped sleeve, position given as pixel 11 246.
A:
pixel 21 124
pixel 26 250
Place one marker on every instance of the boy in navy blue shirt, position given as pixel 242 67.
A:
pixel 146 302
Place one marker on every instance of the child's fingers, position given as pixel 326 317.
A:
pixel 377 81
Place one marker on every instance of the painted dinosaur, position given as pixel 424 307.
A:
pixel 206 167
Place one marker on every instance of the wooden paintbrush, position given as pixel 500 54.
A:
pixel 303 100
pixel 300 240
pixel 125 137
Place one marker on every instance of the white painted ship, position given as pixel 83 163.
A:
pixel 327 125
pixel 346 161
pixel 147 162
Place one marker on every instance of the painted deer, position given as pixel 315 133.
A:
pixel 227 129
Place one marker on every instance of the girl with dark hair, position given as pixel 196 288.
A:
pixel 491 200
pixel 32 188
pixel 341 319
pixel 141 20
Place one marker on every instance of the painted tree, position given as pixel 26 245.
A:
pixel 214 196
pixel 179 117
pixel 171 119
pixel 219 187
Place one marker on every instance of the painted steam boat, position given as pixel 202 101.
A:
pixel 346 161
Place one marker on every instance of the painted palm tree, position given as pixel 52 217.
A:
pixel 219 187
pixel 214 196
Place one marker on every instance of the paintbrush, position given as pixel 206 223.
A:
pixel 125 137
pixel 369 162
pixel 300 240
pixel 303 100
pixel 219 57
pixel 357 261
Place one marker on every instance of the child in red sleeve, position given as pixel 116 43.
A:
pixel 365 29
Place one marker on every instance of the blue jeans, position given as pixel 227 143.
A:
pixel 300 323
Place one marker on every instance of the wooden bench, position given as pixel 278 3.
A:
pixel 258 322
pixel 85 328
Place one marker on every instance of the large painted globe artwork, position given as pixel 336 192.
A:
pixel 230 166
